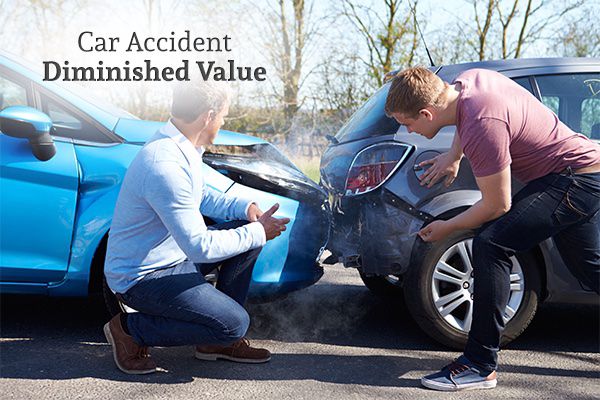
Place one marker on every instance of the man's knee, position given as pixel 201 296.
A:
pixel 236 323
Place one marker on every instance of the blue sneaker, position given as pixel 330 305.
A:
pixel 461 374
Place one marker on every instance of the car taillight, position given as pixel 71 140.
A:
pixel 374 165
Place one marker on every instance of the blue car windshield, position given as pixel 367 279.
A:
pixel 369 120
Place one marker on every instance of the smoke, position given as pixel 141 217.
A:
pixel 324 310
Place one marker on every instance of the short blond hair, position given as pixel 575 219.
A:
pixel 412 90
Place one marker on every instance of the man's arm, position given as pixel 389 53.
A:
pixel 456 152
pixel 495 202
pixel 168 190
pixel 221 205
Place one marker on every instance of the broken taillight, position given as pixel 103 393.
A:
pixel 373 165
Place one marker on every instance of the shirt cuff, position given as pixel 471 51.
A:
pixel 259 237
pixel 245 206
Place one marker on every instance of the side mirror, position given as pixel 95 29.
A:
pixel 31 124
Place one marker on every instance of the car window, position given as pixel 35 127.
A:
pixel 575 98
pixel 67 123
pixel 11 93
pixel 369 120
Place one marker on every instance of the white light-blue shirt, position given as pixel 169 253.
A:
pixel 158 222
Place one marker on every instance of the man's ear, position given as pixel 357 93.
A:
pixel 203 120
pixel 426 113
pixel 211 115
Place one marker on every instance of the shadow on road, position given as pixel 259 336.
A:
pixel 50 338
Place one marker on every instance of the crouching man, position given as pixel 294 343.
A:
pixel 159 247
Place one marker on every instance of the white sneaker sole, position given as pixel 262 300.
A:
pixel 446 387
pixel 215 357
pixel 111 341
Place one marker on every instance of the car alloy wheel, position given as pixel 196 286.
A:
pixel 439 284
pixel 452 284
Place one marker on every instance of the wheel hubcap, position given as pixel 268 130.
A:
pixel 453 283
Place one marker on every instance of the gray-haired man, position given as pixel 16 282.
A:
pixel 159 248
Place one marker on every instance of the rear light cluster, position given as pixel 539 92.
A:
pixel 373 165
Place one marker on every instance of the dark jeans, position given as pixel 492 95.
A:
pixel 563 206
pixel 178 307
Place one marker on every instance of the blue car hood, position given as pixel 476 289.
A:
pixel 139 131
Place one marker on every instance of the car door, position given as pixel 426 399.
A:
pixel 37 202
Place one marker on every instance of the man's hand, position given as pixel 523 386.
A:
pixel 437 230
pixel 254 213
pixel 273 226
pixel 444 165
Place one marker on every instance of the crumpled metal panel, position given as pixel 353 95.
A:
pixel 387 236
pixel 375 233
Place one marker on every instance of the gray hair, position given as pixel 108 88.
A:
pixel 190 99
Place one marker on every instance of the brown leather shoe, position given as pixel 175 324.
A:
pixel 130 357
pixel 240 351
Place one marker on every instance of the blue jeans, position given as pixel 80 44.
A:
pixel 562 206
pixel 178 307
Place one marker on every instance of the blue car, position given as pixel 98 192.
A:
pixel 63 156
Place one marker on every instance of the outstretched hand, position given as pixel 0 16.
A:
pixel 273 226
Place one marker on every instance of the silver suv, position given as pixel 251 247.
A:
pixel 369 171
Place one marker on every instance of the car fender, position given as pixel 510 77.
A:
pixel 450 201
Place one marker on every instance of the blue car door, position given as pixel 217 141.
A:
pixel 37 202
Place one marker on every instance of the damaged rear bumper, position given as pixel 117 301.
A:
pixel 375 233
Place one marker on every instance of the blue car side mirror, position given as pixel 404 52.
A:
pixel 31 124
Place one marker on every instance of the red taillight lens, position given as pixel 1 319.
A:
pixel 373 165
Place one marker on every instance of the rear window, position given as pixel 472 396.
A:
pixel 369 120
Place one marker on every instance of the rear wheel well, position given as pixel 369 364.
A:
pixel 97 267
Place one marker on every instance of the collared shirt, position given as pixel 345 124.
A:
pixel 158 221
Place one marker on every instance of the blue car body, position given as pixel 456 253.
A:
pixel 55 215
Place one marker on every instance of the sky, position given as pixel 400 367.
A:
pixel 244 21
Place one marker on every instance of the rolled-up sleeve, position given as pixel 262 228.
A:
pixel 168 190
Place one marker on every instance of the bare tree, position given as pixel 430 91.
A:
pixel 385 36
pixel 532 20
pixel 483 27
pixel 289 41
pixel 580 36
pixel 505 21
pixel 290 66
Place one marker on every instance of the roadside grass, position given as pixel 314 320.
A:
pixel 308 165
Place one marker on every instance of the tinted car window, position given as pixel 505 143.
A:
pixel 11 93
pixel 575 98
pixel 67 123
pixel 369 120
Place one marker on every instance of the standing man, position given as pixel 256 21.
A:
pixel 159 248
pixel 502 129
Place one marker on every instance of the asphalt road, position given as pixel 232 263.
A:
pixel 334 340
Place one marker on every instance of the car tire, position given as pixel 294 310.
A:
pixel 421 290
pixel 388 287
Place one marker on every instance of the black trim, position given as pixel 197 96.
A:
pixel 535 87
pixel 113 139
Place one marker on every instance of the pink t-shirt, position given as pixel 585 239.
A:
pixel 500 123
